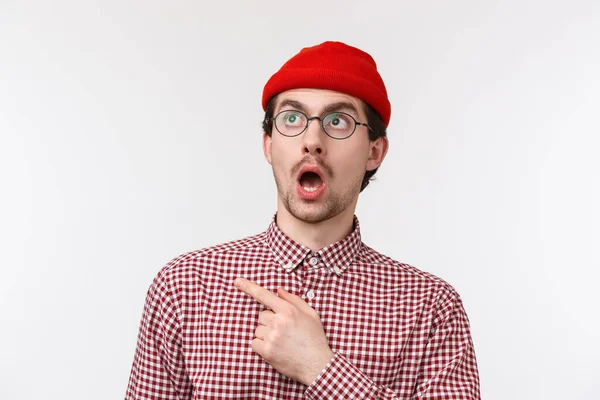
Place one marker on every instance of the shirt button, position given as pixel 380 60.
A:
pixel 313 261
pixel 310 295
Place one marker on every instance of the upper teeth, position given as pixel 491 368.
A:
pixel 309 189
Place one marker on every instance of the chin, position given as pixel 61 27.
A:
pixel 313 213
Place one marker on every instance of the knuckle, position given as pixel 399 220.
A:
pixel 267 350
pixel 280 324
pixel 274 336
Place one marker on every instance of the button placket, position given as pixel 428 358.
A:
pixel 312 277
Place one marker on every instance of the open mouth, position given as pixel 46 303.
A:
pixel 310 181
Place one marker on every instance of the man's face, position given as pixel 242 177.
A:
pixel 319 177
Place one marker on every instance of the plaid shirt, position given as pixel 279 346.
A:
pixel 397 332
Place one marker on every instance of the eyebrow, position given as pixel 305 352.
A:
pixel 337 106
pixel 293 104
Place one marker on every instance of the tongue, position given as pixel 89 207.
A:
pixel 310 180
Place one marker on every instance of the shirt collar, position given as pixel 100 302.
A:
pixel 337 256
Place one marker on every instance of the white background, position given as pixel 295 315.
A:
pixel 130 133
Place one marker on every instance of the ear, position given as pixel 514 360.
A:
pixel 377 153
pixel 267 142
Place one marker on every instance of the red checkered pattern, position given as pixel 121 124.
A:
pixel 397 332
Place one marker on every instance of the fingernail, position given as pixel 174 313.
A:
pixel 238 281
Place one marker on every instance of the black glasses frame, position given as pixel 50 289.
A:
pixel 308 119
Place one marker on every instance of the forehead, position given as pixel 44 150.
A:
pixel 315 100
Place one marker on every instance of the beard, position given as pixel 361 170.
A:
pixel 314 211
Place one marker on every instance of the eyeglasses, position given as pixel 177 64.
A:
pixel 336 125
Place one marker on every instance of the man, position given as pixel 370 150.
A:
pixel 305 309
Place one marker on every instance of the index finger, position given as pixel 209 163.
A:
pixel 260 294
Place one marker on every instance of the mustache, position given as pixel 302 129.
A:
pixel 311 161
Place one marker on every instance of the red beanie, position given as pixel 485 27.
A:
pixel 333 66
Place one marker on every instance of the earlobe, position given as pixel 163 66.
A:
pixel 379 149
pixel 267 141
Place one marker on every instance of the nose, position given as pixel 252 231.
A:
pixel 313 139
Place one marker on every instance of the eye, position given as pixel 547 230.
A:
pixel 292 118
pixel 339 121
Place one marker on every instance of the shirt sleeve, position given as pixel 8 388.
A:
pixel 158 370
pixel 448 368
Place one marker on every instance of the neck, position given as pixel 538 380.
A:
pixel 317 235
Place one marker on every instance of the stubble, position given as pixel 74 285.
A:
pixel 315 211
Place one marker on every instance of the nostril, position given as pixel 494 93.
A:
pixel 307 150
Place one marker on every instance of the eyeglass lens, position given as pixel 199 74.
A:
pixel 337 125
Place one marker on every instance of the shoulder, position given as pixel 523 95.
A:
pixel 407 276
pixel 191 264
